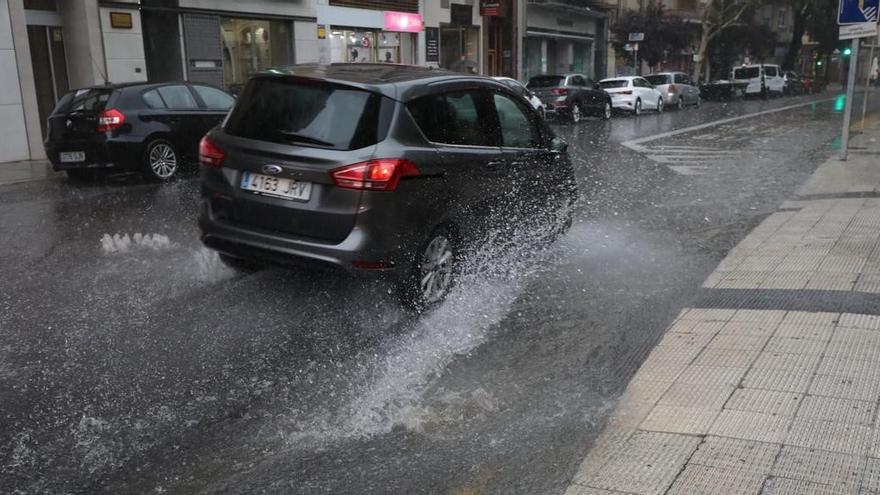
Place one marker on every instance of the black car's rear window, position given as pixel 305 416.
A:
pixel 659 79
pixel 545 82
pixel 310 113
pixel 89 100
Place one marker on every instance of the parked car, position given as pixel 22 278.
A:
pixel 571 96
pixel 760 80
pixel 677 89
pixel 793 85
pixel 633 94
pixel 377 168
pixel 520 89
pixel 150 128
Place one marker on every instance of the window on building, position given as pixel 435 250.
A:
pixel 781 18
pixel 252 45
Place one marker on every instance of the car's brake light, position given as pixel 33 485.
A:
pixel 110 120
pixel 374 175
pixel 672 88
pixel 210 154
pixel 559 91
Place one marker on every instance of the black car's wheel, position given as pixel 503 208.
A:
pixel 83 174
pixel 638 108
pixel 606 111
pixel 238 264
pixel 433 273
pixel 160 160
pixel 576 112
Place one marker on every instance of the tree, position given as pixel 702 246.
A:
pixel 663 34
pixel 746 36
pixel 815 17
pixel 717 16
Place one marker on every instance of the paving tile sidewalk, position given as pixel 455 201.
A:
pixel 769 400
pixel 24 171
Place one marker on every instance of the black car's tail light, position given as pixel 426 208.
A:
pixel 374 175
pixel 210 155
pixel 110 120
pixel 559 91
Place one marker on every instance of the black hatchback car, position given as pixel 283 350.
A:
pixel 377 168
pixel 150 128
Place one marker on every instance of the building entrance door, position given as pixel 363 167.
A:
pixel 50 68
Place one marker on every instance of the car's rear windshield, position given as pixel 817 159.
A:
pixel 545 82
pixel 617 83
pixel 89 100
pixel 747 73
pixel 305 112
pixel 659 79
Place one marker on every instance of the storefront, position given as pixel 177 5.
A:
pixel 354 35
pixel 500 28
pixel 252 45
pixel 563 39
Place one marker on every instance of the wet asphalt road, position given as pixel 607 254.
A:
pixel 155 369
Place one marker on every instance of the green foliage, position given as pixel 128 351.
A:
pixel 664 34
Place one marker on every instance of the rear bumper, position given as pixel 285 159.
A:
pixel 623 103
pixel 123 155
pixel 247 242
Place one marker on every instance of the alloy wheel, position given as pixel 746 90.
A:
pixel 638 108
pixel 660 105
pixel 436 270
pixel 607 111
pixel 163 161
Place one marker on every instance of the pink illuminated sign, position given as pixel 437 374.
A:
pixel 403 22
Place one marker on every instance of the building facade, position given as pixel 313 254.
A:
pixel 53 46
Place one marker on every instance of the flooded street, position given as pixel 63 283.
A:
pixel 133 361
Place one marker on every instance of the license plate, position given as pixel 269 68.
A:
pixel 278 187
pixel 72 156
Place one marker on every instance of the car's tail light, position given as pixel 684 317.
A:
pixel 110 120
pixel 374 175
pixel 210 155
pixel 672 88
pixel 560 91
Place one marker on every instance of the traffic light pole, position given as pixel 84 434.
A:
pixel 850 92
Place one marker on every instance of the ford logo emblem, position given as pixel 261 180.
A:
pixel 271 169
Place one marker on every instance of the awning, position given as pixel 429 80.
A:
pixel 553 34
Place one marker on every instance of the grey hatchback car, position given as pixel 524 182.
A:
pixel 377 169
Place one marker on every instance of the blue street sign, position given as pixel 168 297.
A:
pixel 857 11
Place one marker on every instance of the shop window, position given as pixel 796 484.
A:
pixel 371 47
pixel 252 45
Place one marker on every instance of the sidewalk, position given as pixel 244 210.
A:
pixel 13 172
pixel 771 384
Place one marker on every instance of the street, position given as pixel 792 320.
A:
pixel 133 361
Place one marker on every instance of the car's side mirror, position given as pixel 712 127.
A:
pixel 596 86
pixel 558 145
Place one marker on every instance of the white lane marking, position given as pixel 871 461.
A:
pixel 689 169
pixel 635 144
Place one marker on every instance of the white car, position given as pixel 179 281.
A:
pixel 521 89
pixel 760 80
pixel 633 94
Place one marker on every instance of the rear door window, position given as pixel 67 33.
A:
pixel 153 100
pixel 305 112
pixel 578 81
pixel 214 98
pixel 457 117
pixel 178 97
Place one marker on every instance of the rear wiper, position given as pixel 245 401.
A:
pixel 299 138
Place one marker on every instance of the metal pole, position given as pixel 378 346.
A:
pixel 850 91
pixel 868 82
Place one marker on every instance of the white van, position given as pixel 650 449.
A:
pixel 761 79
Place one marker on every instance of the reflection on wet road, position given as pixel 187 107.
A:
pixel 132 361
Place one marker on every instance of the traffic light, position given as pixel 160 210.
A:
pixel 818 63
pixel 847 52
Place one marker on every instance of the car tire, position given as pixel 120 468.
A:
pixel 239 264
pixel 680 104
pixel 433 272
pixel 660 105
pixel 699 102
pixel 607 110
pixel 576 114
pixel 83 174
pixel 160 160
pixel 637 110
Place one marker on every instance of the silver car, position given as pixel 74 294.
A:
pixel 677 88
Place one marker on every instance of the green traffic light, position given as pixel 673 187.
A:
pixel 847 52
pixel 819 63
